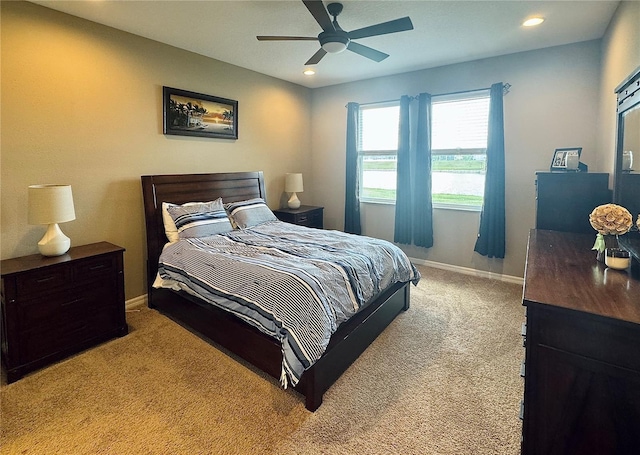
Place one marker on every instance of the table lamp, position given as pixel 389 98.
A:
pixel 293 184
pixel 51 204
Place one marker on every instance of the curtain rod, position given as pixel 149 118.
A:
pixel 505 89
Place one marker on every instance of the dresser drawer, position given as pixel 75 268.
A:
pixel 94 269
pixel 36 344
pixel 594 337
pixel 42 281
pixel 64 306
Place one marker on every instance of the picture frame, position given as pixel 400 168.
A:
pixel 188 113
pixel 566 159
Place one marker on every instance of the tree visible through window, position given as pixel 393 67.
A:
pixel 459 131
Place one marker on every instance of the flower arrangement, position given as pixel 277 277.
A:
pixel 609 220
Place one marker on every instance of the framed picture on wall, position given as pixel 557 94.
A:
pixel 566 159
pixel 194 114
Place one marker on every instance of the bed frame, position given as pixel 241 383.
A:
pixel 222 328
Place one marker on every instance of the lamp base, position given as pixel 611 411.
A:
pixel 294 202
pixel 54 242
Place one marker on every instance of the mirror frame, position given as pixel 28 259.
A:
pixel 628 98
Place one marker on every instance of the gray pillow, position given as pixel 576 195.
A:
pixel 250 212
pixel 200 220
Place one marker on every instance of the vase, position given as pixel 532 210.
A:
pixel 606 241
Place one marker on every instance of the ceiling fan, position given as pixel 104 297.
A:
pixel 334 40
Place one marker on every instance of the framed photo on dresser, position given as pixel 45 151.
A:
pixel 566 159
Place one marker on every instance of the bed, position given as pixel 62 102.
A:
pixel 223 328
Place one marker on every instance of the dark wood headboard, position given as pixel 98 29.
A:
pixel 181 188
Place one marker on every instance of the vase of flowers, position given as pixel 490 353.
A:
pixel 610 221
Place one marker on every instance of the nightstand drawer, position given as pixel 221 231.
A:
pixel 42 281
pixel 306 215
pixel 311 219
pixel 61 307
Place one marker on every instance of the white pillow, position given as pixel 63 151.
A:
pixel 170 228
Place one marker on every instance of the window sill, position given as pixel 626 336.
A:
pixel 377 201
pixel 459 207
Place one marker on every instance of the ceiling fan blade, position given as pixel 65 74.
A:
pixel 287 38
pixel 367 52
pixel 319 13
pixel 316 57
pixel 397 25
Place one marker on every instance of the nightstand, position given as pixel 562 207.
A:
pixel 53 307
pixel 306 215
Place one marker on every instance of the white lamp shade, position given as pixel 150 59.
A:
pixel 293 183
pixel 50 204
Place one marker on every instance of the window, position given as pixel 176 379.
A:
pixel 459 148
pixel 459 131
pixel 378 148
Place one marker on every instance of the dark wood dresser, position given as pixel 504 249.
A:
pixel 53 307
pixel 306 215
pixel 564 200
pixel 582 355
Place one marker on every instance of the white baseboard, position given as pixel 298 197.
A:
pixel 469 271
pixel 136 302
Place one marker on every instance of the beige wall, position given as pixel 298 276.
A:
pixel 620 56
pixel 82 105
pixel 552 104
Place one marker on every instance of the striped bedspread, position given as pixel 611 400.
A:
pixel 293 283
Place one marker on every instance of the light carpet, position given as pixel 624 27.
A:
pixel 443 378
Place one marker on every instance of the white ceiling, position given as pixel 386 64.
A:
pixel 445 32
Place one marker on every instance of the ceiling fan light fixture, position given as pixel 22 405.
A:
pixel 308 72
pixel 334 43
pixel 334 47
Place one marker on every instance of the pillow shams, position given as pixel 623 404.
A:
pixel 199 219
pixel 250 212
pixel 170 228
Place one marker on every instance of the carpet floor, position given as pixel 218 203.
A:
pixel 443 378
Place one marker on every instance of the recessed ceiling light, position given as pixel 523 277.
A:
pixel 533 21
pixel 309 72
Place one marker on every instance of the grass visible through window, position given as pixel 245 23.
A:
pixel 457 165
pixel 457 199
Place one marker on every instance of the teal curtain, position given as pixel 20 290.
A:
pixel 352 193
pixel 491 235
pixel 402 230
pixel 422 202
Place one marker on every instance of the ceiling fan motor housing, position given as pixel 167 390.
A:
pixel 334 9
